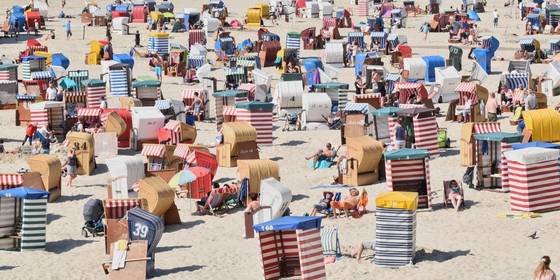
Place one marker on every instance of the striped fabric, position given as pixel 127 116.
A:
pixel 26 70
pixel 7 213
pixel 94 95
pixel 196 36
pixel 554 45
pixel 425 135
pixel 117 208
pixel 526 41
pixel 229 111
pixel 162 104
pixel 486 127
pixel 380 38
pixel 34 224
pixel 90 115
pixel 357 107
pixel 362 8
pixel 293 42
pixel 75 97
pixel 118 79
pixel 310 254
pixel 390 80
pixel 188 94
pixel 329 22
pixel 260 120
pixel 246 62
pixel 159 45
pixel 250 88
pixel 8 75
pixel 516 80
pixel 30 66
pixel 330 242
pixel 176 132
pixel 196 60
pixel 391 122
pixel 534 187
pixel 181 151
pixel 357 37
pixel 411 106
pixel 9 181
pixel 406 89
pixel 25 97
pixel 553 19
pixel 153 150
pixel 410 170
pixel 466 90
pixel 504 147
pixel 43 75
pixel 33 49
pixel 275 246
pixel 237 74
pixel 395 237
pixel 78 76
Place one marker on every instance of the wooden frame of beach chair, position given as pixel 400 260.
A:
pixel 446 200
pixel 135 263
pixel 249 220
pixel 115 228
pixel 49 167
pixel 159 199
pixel 364 154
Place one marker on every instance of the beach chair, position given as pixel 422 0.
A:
pixel 330 244
pixel 213 204
pixel 446 190
pixel 328 211
pixel 516 116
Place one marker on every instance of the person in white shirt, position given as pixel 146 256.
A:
pixel 51 92
pixel 496 17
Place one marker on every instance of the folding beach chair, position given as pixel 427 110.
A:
pixel 328 211
pixel 214 203
pixel 330 244
pixel 516 116
pixel 243 192
pixel 447 189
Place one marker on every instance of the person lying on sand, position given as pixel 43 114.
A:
pixel 363 245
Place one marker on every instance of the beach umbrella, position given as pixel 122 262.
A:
pixel 59 59
pixel 473 15
pixel 182 178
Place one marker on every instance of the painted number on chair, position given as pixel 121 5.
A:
pixel 140 230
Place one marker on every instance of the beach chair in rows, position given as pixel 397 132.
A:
pixel 330 244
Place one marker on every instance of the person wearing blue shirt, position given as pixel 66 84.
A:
pixel 68 29
pixel 400 135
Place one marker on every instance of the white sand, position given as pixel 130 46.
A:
pixel 473 244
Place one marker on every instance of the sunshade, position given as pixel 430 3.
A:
pixel 182 178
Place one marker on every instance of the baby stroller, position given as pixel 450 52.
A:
pixel 334 121
pixel 293 120
pixel 93 215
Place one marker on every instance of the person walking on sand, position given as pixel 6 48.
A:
pixel 68 29
pixel 71 165
pixel 543 271
pixel 496 18
pixel 425 29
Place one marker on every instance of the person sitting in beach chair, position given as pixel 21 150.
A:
pixel 453 194
pixel 323 158
pixel 324 204
pixel 349 203
pixel 254 205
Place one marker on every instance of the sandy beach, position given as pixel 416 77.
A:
pixel 471 244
